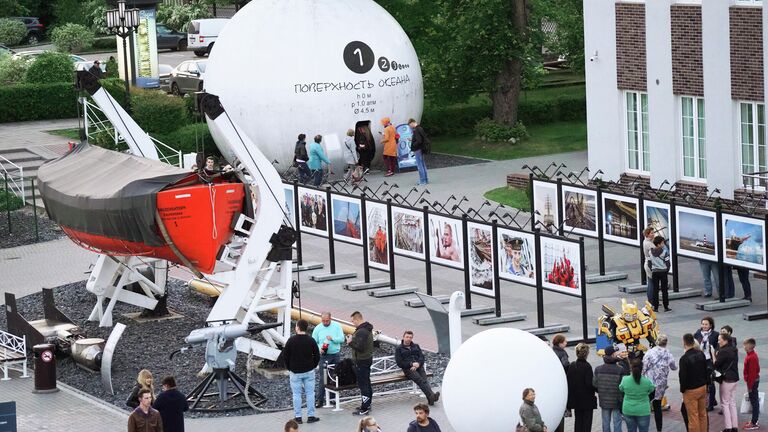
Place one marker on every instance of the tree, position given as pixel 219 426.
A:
pixel 12 8
pixel 568 38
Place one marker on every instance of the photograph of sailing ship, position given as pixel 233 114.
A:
pixel 744 241
pixel 580 210
pixel 545 205
pixel 445 237
pixel 346 219
pixel 480 258
pixel 378 238
pixel 620 219
pixel 314 212
pixel 517 261
pixel 409 232
pixel 696 233
pixel 561 266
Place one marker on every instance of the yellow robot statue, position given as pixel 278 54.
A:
pixel 630 326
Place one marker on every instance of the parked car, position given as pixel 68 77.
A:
pixel 79 62
pixel 168 38
pixel 35 30
pixel 188 77
pixel 203 34
pixel 164 72
pixel 4 50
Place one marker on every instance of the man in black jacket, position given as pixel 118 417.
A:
pixel 419 146
pixel 172 404
pixel 693 385
pixel 361 343
pixel 606 380
pixel 301 356
pixel 409 357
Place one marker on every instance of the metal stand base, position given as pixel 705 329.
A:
pixel 477 311
pixel 417 303
pixel 548 329
pixel 607 277
pixel 504 318
pixel 333 276
pixel 718 305
pixel 632 288
pixel 684 293
pixel 754 316
pixel 307 267
pixel 362 286
pixel 222 393
pixel 388 292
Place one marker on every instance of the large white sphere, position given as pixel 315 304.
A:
pixel 284 67
pixel 484 381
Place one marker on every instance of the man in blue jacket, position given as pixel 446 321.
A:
pixel 328 336
pixel 171 403
pixel 409 357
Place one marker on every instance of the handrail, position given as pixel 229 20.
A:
pixel 16 187
pixel 167 158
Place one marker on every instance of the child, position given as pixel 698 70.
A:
pixel 659 264
pixel 752 378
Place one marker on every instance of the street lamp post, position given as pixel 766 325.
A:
pixel 122 22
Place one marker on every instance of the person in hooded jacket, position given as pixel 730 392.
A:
pixel 410 358
pixel 657 363
pixel 727 364
pixel 581 392
pixel 361 342
pixel 558 346
pixel 606 380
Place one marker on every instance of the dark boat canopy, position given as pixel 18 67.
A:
pixel 104 192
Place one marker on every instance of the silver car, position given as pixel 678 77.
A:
pixel 188 77
pixel 164 72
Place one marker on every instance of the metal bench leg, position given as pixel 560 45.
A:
pixel 25 374
pixel 5 372
pixel 328 403
pixel 338 405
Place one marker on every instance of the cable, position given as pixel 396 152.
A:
pixel 212 195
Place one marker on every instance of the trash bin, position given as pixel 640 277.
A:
pixel 45 368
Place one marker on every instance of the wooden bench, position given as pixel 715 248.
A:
pixel 384 370
pixel 13 354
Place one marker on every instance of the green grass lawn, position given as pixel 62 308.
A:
pixel 511 197
pixel 66 133
pixel 545 139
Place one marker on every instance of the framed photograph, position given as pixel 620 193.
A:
pixel 545 205
pixel 289 205
pixel 696 231
pixel 481 257
pixel 517 256
pixel 409 232
pixel 346 219
pixel 657 216
pixel 446 237
pixel 580 211
pixel 744 242
pixel 314 212
pixel 561 266
pixel 378 237
pixel 620 222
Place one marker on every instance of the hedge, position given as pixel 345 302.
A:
pixel 190 138
pixel 24 102
pixel 461 119
pixel 157 112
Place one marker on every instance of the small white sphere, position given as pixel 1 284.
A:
pixel 483 384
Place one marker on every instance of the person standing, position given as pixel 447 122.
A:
pixel 657 363
pixel 727 364
pixel 350 153
pixel 95 70
pixel 636 406
pixel 144 418
pixel 693 385
pixel 659 270
pixel 300 158
pixel 752 379
pixel 389 142
pixel 648 234
pixel 328 336
pixel 410 359
pixel 301 355
pixel 419 147
pixel 366 149
pixel 558 346
pixel 706 336
pixel 144 381
pixel 730 289
pixel 530 417
pixel 606 380
pixel 171 403
pixel 710 272
pixel 361 342
pixel 317 158
pixel 423 422
pixel 581 392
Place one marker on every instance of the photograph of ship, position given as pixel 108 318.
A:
pixel 580 211
pixel 480 258
pixel 561 266
pixel 314 212
pixel 517 261
pixel 545 205
pixel 409 232
pixel 744 241
pixel 446 236
pixel 288 205
pixel 346 219
pixel 696 233
pixel 378 243
pixel 620 219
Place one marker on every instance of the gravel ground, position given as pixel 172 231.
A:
pixel 441 160
pixel 23 228
pixel 148 345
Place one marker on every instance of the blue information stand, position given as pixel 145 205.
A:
pixel 8 416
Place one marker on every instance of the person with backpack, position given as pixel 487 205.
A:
pixel 659 268
pixel 420 146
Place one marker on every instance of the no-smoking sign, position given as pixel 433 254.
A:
pixel 47 356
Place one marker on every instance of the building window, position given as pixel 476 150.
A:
pixel 694 138
pixel 638 146
pixel 752 137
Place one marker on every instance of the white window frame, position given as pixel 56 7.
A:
pixel 642 132
pixel 698 160
pixel 756 3
pixel 754 127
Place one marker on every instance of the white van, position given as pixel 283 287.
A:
pixel 203 33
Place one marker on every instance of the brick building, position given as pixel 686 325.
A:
pixel 675 91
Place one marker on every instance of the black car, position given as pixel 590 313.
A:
pixel 168 38
pixel 35 30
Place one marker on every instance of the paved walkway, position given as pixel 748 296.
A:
pixel 33 133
